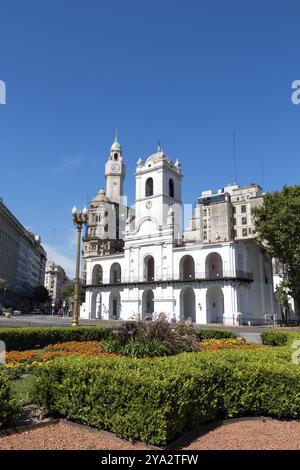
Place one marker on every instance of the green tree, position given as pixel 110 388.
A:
pixel 277 223
pixel 40 295
pixel 68 293
pixel 283 298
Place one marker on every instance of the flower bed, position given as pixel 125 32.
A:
pixel 26 361
pixel 227 343
pixel 19 362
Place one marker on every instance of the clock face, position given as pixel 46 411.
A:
pixel 115 167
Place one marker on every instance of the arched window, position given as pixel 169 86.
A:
pixel 149 187
pixel 115 273
pixel 97 275
pixel 116 156
pixel 171 187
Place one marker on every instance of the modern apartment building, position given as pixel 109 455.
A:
pixel 224 215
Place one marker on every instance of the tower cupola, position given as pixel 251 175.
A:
pixel 115 172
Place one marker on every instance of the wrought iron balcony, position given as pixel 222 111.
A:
pixel 236 275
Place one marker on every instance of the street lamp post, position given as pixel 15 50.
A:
pixel 79 219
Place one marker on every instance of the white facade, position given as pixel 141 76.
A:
pixel 221 282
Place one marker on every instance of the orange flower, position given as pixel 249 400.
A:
pixel 86 348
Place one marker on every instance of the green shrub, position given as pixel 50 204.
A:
pixel 203 334
pixel 20 339
pixel 111 345
pixel 155 338
pixel 10 407
pixel 135 398
pixel 274 338
pixel 266 389
pixel 138 348
pixel 155 400
pixel 150 348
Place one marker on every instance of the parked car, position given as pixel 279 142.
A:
pixel 36 311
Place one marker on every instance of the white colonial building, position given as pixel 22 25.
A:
pixel 139 262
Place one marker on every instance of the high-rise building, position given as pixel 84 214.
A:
pixel 22 259
pixel 224 215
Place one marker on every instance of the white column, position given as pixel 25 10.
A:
pixel 105 305
pixel 200 300
pixel 230 304
pixel 88 300
pixel 262 283
pixel 177 307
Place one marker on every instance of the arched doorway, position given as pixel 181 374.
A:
pixel 187 267
pixel 214 304
pixel 97 276
pixel 148 303
pixel 114 305
pixel 115 273
pixel 96 305
pixel 149 268
pixel 213 266
pixel 188 304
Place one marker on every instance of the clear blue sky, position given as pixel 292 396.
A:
pixel 187 73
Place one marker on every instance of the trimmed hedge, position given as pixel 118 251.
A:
pixel 135 398
pixel 10 407
pixel 274 338
pixel 20 339
pixel 156 400
pixel 213 334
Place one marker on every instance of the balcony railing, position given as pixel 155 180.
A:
pixel 181 277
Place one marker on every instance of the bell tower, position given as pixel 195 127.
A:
pixel 115 173
pixel 158 187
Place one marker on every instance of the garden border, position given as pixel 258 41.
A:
pixel 182 441
pixel 73 424
pixel 189 436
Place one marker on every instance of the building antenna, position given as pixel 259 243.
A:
pixel 234 157
pixel 262 174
